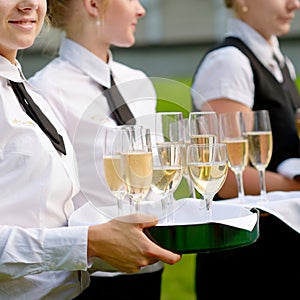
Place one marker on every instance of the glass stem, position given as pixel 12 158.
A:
pixel 208 204
pixel 240 185
pixel 130 205
pixel 164 205
pixel 192 189
pixel 120 206
pixel 263 189
pixel 170 208
pixel 137 206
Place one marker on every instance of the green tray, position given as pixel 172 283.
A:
pixel 205 237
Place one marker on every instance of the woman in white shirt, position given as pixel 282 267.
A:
pixel 74 83
pixel 42 258
pixel 242 74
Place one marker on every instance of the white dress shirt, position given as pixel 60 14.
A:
pixel 39 254
pixel 227 73
pixel 73 83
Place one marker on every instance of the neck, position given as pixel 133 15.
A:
pixel 94 44
pixel 10 56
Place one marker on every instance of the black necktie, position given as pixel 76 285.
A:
pixel 34 112
pixel 120 111
pixel 283 68
pixel 287 80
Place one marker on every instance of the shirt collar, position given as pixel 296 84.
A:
pixel 255 41
pixel 10 71
pixel 86 61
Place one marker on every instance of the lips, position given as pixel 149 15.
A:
pixel 25 22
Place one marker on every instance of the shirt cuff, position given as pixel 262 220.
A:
pixel 66 248
pixel 290 168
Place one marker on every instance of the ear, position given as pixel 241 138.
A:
pixel 92 6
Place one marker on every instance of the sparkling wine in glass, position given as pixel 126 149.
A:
pixel 168 128
pixel 186 141
pixel 260 140
pixel 167 171
pixel 136 163
pixel 207 166
pixel 204 127
pixel 111 163
pixel 232 133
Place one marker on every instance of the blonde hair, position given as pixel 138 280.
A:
pixel 59 12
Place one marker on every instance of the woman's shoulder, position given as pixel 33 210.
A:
pixel 128 73
pixel 222 64
pixel 226 56
pixel 52 69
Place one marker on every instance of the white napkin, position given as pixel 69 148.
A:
pixel 283 205
pixel 185 211
pixel 192 211
pixel 289 168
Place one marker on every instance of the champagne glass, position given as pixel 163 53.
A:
pixel 136 163
pixel 167 171
pixel 111 164
pixel 204 127
pixel 168 128
pixel 232 133
pixel 187 141
pixel 131 204
pixel 259 134
pixel 207 166
pixel 297 121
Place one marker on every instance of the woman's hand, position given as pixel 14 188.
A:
pixel 122 243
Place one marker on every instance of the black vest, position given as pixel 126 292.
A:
pixel 280 99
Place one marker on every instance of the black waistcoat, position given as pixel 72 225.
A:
pixel 280 99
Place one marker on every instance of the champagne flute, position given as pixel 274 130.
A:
pixel 167 171
pixel 207 166
pixel 186 141
pixel 111 164
pixel 136 163
pixel 232 133
pixel 259 134
pixel 131 204
pixel 204 127
pixel 168 128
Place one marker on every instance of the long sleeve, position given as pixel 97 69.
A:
pixel 32 251
pixel 39 255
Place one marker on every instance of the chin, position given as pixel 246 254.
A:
pixel 284 30
pixel 125 44
pixel 25 45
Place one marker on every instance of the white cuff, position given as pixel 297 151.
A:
pixel 290 168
